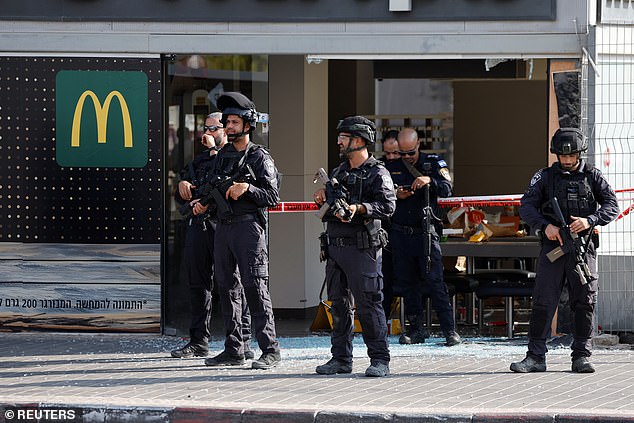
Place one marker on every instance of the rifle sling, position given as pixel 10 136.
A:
pixel 411 169
pixel 243 159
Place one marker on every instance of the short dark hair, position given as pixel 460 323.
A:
pixel 392 133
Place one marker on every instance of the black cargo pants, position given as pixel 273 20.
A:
pixel 199 256
pixel 241 245
pixel 549 283
pixel 354 277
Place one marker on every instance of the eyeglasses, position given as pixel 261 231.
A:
pixel 342 137
pixel 212 128
pixel 408 153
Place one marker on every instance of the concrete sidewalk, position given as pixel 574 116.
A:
pixel 103 378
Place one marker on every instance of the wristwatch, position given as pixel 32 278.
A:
pixel 590 220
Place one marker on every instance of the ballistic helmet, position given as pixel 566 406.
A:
pixel 568 141
pixel 235 103
pixel 359 127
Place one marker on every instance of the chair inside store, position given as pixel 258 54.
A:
pixel 505 285
pixel 459 284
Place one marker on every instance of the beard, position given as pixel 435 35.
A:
pixel 343 154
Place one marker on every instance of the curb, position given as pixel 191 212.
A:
pixel 44 412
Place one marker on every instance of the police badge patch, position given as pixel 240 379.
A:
pixel 270 167
pixel 536 178
pixel 387 180
pixel 444 172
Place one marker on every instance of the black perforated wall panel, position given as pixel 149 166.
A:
pixel 41 201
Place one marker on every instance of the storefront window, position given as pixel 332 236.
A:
pixel 193 84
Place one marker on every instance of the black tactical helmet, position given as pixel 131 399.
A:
pixel 568 141
pixel 358 126
pixel 235 103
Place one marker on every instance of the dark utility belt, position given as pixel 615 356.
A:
pixel 343 242
pixel 238 219
pixel 409 230
pixel 205 223
pixel 362 240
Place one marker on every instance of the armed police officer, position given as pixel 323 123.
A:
pixel 390 153
pixel 353 242
pixel 249 184
pixel 573 190
pixel 414 236
pixel 199 244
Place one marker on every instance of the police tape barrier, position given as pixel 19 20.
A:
pixel 294 207
pixel 481 201
pixel 476 201
pixel 625 212
pixel 469 201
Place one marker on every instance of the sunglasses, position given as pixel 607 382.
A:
pixel 408 153
pixel 212 128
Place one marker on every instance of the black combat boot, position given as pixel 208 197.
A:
pixel 334 366
pixel 582 365
pixel 416 333
pixel 266 361
pixel 529 364
pixel 225 359
pixel 378 368
pixel 191 349
pixel 452 338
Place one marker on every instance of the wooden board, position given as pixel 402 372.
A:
pixel 79 287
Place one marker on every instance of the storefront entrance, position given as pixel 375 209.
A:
pixel 192 84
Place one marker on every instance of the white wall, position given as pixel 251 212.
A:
pixel 298 141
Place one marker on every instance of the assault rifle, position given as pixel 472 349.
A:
pixel 213 194
pixel 573 243
pixel 336 197
pixel 429 219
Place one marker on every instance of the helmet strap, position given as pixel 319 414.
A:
pixel 349 149
pixel 236 137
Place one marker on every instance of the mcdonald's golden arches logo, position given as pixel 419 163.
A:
pixel 94 130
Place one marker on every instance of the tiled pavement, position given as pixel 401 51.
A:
pixel 131 378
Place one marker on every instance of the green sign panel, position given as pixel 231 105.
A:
pixel 101 119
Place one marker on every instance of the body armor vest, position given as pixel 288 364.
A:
pixel 203 173
pixel 228 162
pixel 353 180
pixel 574 193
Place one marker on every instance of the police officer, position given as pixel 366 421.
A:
pixel 240 234
pixel 355 239
pixel 390 153
pixel 414 267
pixel 586 199
pixel 199 245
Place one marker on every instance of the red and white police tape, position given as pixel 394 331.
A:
pixel 470 201
pixel 294 207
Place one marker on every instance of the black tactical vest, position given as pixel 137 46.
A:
pixel 228 162
pixel 354 179
pixel 573 191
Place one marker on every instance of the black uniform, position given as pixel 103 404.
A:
pixel 353 268
pixel 406 239
pixel 387 267
pixel 240 240
pixel 199 253
pixel 581 193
